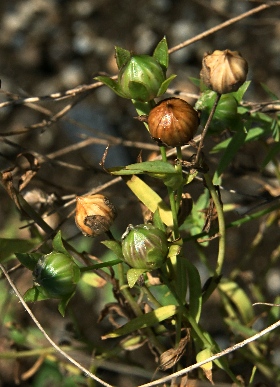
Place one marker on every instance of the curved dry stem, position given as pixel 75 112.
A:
pixel 54 345
pixel 214 357
pixel 222 25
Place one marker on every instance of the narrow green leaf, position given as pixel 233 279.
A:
pixel 156 166
pixel 33 295
pixel 143 108
pixel 133 275
pixel 164 295
pixel 234 145
pixel 113 85
pixel 239 328
pixel 59 246
pixel 122 56
pixel 63 304
pixel 273 96
pixel 161 53
pixel 204 355
pixel 195 81
pixel 28 260
pixel 9 246
pixel 139 89
pixel 144 321
pixel 150 198
pixel 165 84
pixel 238 95
pixel 273 152
pixel 253 135
pixel 195 292
pixel 241 301
pixel 157 221
pixel 275 130
pixel 115 247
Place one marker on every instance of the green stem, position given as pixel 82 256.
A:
pixel 172 200
pixel 179 169
pixel 136 309
pixel 100 265
pixel 150 296
pixel 204 132
pixel 221 221
pixel 32 352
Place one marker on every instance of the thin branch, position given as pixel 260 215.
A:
pixel 223 25
pixel 214 357
pixel 39 326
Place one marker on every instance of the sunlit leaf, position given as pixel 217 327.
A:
pixel 144 321
pixel 150 198
pixel 133 275
pixel 94 280
pixel 161 53
pixel 122 56
pixel 156 166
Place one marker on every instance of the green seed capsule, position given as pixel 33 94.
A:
pixel 141 78
pixel 144 247
pixel 56 274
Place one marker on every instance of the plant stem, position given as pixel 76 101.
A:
pixel 221 221
pixel 204 132
pixel 150 296
pixel 100 265
pixel 137 310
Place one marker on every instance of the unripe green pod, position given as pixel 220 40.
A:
pixel 144 247
pixel 226 113
pixel 141 78
pixel 56 274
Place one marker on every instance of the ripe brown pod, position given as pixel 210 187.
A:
pixel 224 71
pixel 94 214
pixel 173 122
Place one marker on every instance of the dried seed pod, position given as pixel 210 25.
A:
pixel 94 214
pixel 144 246
pixel 224 71
pixel 173 122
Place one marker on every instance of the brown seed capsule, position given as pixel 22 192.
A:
pixel 94 214
pixel 173 122
pixel 224 71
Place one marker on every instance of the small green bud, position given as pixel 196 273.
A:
pixel 56 275
pixel 144 247
pixel 141 78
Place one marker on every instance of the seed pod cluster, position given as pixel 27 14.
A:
pixel 144 246
pixel 173 122
pixel 224 71
pixel 94 214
